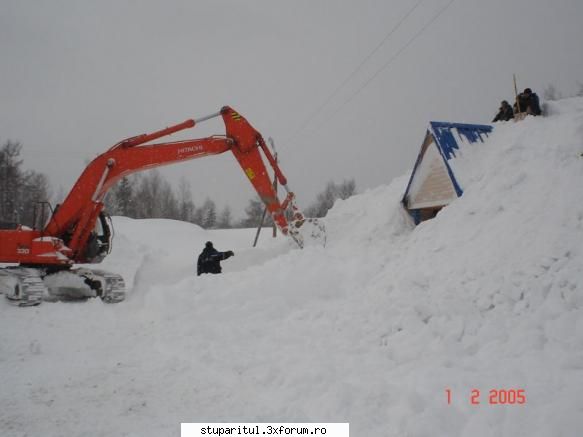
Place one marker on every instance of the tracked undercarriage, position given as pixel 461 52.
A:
pixel 26 286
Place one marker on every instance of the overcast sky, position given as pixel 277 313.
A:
pixel 78 76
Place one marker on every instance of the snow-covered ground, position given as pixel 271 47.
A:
pixel 371 330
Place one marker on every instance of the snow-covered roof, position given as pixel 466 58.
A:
pixel 433 181
pixel 450 136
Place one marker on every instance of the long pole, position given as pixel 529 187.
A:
pixel 265 208
pixel 272 144
pixel 516 94
pixel 259 227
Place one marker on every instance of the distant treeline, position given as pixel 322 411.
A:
pixel 551 92
pixel 20 190
pixel 143 195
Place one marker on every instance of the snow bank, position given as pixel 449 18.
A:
pixel 371 329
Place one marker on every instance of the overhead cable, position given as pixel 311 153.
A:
pixel 356 70
pixel 384 66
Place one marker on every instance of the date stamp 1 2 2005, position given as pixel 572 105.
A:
pixel 495 396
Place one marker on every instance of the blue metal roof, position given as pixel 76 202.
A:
pixel 446 141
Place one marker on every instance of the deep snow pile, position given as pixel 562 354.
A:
pixel 371 329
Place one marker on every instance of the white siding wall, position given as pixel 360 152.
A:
pixel 431 185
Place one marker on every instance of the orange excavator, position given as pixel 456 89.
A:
pixel 80 232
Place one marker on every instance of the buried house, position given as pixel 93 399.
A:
pixel 433 183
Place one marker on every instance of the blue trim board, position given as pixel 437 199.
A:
pixel 417 162
pixel 447 145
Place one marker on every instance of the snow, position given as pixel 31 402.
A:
pixel 66 284
pixel 371 330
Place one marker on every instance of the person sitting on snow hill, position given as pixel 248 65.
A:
pixel 209 261
pixel 505 112
pixel 528 102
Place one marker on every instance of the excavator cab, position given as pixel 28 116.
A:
pixel 99 242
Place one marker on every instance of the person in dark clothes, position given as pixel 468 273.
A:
pixel 505 112
pixel 209 261
pixel 532 102
pixel 527 102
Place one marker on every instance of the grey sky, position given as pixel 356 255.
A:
pixel 78 76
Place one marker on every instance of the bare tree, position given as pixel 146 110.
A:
pixel 254 212
pixel 19 190
pixel 551 93
pixel 10 180
pixel 35 189
pixel 326 199
pixel 155 198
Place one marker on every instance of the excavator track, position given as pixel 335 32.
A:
pixel 110 287
pixel 25 286
pixel 22 286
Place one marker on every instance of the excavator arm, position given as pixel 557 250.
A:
pixel 75 219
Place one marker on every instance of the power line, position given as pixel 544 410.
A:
pixel 356 70
pixel 396 55
pixel 387 64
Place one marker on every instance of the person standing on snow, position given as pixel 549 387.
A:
pixel 209 261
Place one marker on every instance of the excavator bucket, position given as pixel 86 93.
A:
pixel 308 232
pixel 246 145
